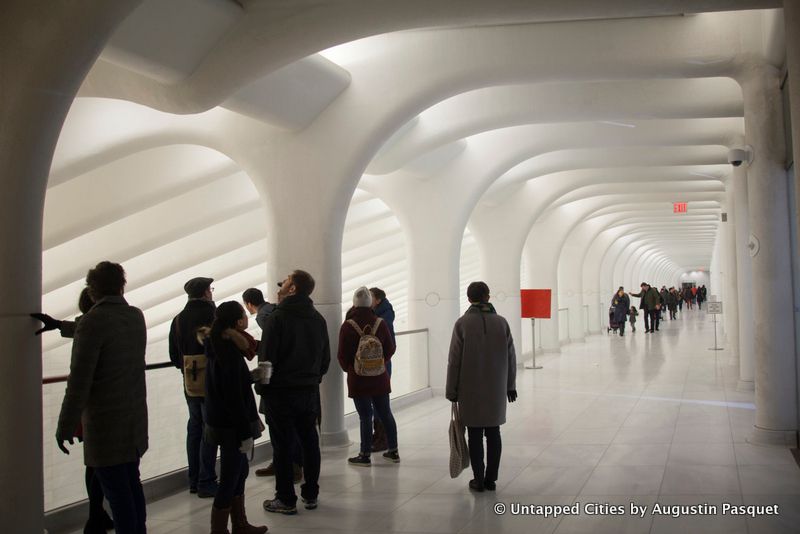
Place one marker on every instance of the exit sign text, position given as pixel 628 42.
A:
pixel 679 207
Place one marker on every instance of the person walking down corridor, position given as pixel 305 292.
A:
pixel 481 378
pixel 365 348
pixel 633 315
pixel 650 305
pixel 621 304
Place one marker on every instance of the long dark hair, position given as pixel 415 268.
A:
pixel 226 316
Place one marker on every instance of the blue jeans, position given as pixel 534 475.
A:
pixel 364 408
pixel 123 489
pixel 290 413
pixel 233 471
pixel 202 456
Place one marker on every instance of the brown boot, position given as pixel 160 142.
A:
pixel 239 519
pixel 219 520
pixel 379 442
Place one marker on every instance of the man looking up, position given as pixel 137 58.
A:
pixel 295 341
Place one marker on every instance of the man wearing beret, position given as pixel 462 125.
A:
pixel 187 354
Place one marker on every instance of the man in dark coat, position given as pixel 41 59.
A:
pixel 650 303
pixel 254 303
pixel 621 304
pixel 295 341
pixel 481 377
pixel 107 394
pixel 183 343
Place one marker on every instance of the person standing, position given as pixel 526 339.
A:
pixel 621 304
pixel 368 387
pixel 383 309
pixel 186 353
pixel 295 341
pixel 481 377
pixel 254 303
pixel 233 422
pixel 99 521
pixel 107 395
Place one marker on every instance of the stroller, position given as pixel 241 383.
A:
pixel 612 324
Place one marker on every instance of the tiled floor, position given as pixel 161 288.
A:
pixel 644 419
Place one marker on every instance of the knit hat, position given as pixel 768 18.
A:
pixel 362 298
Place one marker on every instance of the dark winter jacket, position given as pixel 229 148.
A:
pixel 231 415
pixel 263 312
pixel 385 311
pixel 649 299
pixel 364 386
pixel 106 390
pixel 183 331
pixel 621 305
pixel 295 340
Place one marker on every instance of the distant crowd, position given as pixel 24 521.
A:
pixel 652 304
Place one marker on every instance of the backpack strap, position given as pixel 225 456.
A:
pixel 376 325
pixel 357 328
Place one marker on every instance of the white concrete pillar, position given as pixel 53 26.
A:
pixel 500 269
pixel 791 17
pixel 730 310
pixel 775 378
pixel 744 277
pixel 46 49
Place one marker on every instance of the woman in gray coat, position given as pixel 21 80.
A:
pixel 481 377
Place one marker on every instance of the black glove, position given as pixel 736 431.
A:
pixel 512 395
pixel 49 322
pixel 60 442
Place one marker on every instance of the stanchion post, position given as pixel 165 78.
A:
pixel 532 364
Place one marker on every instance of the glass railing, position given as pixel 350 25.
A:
pixel 410 365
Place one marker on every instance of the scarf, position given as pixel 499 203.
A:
pixel 483 307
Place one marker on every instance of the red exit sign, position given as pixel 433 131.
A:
pixel 679 207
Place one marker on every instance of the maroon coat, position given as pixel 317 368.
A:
pixel 363 386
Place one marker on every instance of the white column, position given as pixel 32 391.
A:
pixel 744 277
pixel 47 49
pixel 730 311
pixel 776 388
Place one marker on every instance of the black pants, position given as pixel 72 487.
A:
pixel 287 412
pixel 494 447
pixel 654 319
pixel 233 471
pixel 123 489
pixel 95 492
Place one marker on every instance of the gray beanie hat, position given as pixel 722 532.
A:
pixel 362 298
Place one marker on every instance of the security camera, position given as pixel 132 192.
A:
pixel 737 156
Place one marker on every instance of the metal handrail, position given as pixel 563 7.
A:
pixel 408 332
pixel 63 378
pixel 164 365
